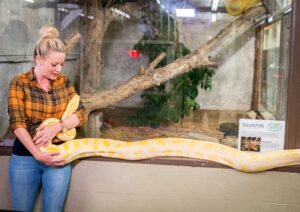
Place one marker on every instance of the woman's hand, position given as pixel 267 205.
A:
pixel 45 134
pixel 50 158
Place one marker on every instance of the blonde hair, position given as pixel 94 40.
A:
pixel 49 40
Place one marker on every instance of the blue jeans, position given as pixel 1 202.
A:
pixel 25 176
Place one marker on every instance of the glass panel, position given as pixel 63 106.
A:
pixel 270 74
pixel 276 7
pixel 200 89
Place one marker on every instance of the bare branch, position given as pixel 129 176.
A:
pixel 131 7
pixel 71 40
pixel 156 61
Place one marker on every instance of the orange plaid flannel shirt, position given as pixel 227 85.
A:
pixel 29 105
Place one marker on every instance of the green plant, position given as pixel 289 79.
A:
pixel 175 98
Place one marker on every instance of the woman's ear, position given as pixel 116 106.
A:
pixel 38 60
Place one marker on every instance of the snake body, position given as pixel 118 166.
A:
pixel 237 7
pixel 74 149
pixel 179 147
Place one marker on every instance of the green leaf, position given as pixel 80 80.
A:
pixel 161 106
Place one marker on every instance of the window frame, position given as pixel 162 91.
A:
pixel 258 103
pixel 293 101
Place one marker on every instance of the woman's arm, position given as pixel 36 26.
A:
pixel 49 158
pixel 71 122
pixel 16 110
pixel 45 134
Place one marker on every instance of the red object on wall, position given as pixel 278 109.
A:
pixel 134 54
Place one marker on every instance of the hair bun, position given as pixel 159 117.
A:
pixel 49 32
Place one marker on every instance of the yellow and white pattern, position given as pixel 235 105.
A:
pixel 237 7
pixel 159 147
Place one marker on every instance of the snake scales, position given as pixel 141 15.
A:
pixel 74 149
pixel 238 7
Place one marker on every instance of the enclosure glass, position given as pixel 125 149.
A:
pixel 151 69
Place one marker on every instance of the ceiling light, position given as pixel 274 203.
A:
pixel 185 12
pixel 31 1
pixel 214 5
pixel 213 17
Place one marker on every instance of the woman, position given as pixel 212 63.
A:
pixel 34 96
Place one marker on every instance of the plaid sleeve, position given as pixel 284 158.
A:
pixel 80 112
pixel 16 105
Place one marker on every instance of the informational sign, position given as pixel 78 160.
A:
pixel 261 135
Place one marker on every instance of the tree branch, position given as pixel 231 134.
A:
pixel 131 7
pixel 71 40
pixel 200 57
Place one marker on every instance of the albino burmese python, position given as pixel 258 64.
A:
pixel 179 147
pixel 237 7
